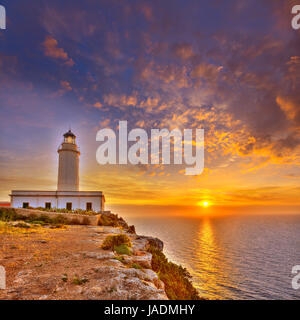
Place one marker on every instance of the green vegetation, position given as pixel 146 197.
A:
pixel 77 211
pixel 111 242
pixel 64 277
pixel 177 281
pixel 20 224
pixel 108 221
pixel 122 249
pixel 120 258
pixel 113 220
pixel 9 214
pixel 78 281
pixel 136 266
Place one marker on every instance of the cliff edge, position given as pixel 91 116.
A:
pixel 48 261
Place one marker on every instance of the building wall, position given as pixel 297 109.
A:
pixel 57 202
pixel 80 202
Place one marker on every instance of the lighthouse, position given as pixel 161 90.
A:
pixel 68 164
pixel 67 196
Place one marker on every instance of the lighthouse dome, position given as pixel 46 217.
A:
pixel 69 134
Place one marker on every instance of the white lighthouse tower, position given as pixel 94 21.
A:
pixel 68 164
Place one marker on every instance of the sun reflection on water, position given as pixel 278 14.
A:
pixel 210 264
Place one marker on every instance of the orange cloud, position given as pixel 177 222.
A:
pixel 147 12
pixel 207 71
pixel 183 51
pixel 105 123
pixel 52 50
pixel 66 85
pixel 120 100
pixel 98 104
pixel 288 107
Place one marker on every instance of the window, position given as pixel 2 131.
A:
pixel 25 205
pixel 48 205
pixel 69 206
pixel 89 206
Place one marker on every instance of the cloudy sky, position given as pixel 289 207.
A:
pixel 229 67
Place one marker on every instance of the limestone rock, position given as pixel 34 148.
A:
pixel 155 242
pixel 151 241
pixel 144 261
pixel 119 284
pixel 20 224
pixel 100 255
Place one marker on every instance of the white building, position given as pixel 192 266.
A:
pixel 67 195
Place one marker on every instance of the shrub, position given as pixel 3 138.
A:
pixel 38 222
pixel 136 266
pixel 8 214
pixel 31 217
pixel 110 242
pixel 20 224
pixel 119 258
pixel 122 249
pixel 113 220
pixel 43 218
pixel 64 277
pixel 63 210
pixel 176 278
pixel 79 281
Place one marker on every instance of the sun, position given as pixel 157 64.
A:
pixel 204 204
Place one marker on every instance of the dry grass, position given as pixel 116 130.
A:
pixel 6 228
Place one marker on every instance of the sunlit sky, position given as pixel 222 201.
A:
pixel 230 67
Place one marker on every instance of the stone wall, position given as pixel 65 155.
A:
pixel 93 220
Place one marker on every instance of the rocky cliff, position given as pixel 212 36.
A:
pixel 46 261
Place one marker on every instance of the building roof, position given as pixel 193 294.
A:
pixel 44 193
pixel 69 134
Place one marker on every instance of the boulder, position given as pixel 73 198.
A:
pixel 151 241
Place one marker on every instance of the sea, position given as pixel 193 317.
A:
pixel 232 257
